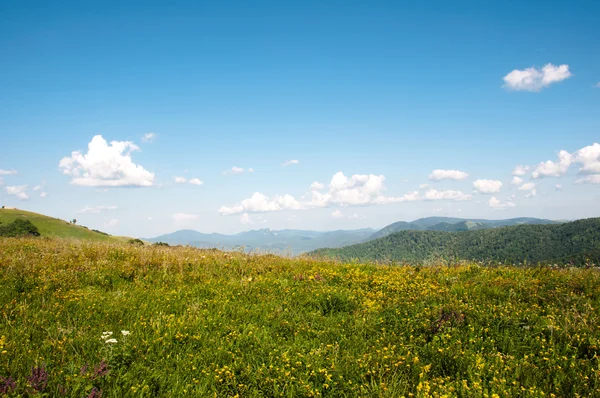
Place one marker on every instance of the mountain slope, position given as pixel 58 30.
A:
pixel 287 240
pixel 454 224
pixel 574 241
pixel 54 227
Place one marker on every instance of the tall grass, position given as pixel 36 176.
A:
pixel 191 322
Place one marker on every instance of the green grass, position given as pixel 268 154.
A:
pixel 56 228
pixel 206 323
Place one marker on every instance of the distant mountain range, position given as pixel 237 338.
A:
pixel 451 224
pixel 574 242
pixel 294 241
pixel 291 241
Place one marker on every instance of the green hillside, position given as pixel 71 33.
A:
pixel 54 227
pixel 576 242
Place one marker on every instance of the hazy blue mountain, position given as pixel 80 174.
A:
pixel 452 224
pixel 290 241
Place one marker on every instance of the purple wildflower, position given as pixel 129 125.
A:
pixel 100 370
pixel 7 385
pixel 95 393
pixel 39 378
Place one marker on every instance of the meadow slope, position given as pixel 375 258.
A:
pixel 192 322
pixel 56 228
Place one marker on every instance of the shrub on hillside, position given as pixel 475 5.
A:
pixel 19 227
pixel 136 242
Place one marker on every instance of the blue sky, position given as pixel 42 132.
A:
pixel 379 89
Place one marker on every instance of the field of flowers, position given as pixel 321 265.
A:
pixel 114 320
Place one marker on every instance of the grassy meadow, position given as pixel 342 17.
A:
pixel 84 319
pixel 56 228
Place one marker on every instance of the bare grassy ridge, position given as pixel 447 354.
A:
pixel 209 323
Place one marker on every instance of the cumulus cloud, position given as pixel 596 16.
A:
pixel 589 158
pixel 106 165
pixel 7 172
pixel 96 209
pixel 520 170
pixel 358 189
pixel 554 169
pixel 149 137
pixel 112 223
pixel 530 188
pixel 487 186
pixel 196 181
pixel 19 191
pixel 290 162
pixel 37 188
pixel 316 186
pixel 517 180
pixel 434 194
pixel 535 79
pixel 558 187
pixel 438 175
pixel 259 203
pixel 337 214
pixel 497 204
pixel 43 195
pixel 180 180
pixel 184 216
pixel 591 179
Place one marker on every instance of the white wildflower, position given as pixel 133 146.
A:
pixel 125 332
pixel 112 341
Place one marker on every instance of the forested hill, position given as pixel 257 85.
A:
pixel 576 242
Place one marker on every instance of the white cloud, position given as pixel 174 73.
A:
pixel 149 137
pixel 96 209
pixel 437 175
pixel 423 186
pixel 359 189
pixel 520 170
pixel 290 162
pixel 260 203
pixel 589 158
pixel 112 223
pixel 496 204
pixel 7 172
pixel 106 165
pixel 487 186
pixel 316 186
pixel 1 181
pixel 19 191
pixel 554 169
pixel 558 187
pixel 180 180
pixel 517 180
pixel 43 195
pixel 529 186
pixel 245 219
pixel 37 187
pixel 184 217
pixel 336 214
pixel 196 181
pixel 534 79
pixel 434 194
pixel 591 179
pixel 238 170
